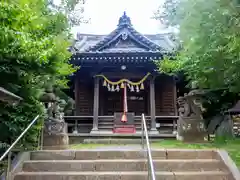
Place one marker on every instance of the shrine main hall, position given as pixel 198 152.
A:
pixel 118 81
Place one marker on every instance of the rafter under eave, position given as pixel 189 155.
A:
pixel 8 97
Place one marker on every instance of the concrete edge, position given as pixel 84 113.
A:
pixel 122 149
pixel 21 158
pixel 16 164
pixel 227 160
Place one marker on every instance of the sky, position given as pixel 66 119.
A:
pixel 104 16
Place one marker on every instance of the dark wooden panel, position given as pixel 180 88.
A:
pixel 84 99
pixel 113 102
pixel 138 103
pixel 164 96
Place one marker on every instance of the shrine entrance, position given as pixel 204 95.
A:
pixel 119 94
pixel 124 57
pixel 124 99
pixel 111 102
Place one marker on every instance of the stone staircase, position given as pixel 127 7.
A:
pixel 123 164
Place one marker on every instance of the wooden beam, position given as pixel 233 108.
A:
pixel 152 106
pixel 95 105
pixel 175 96
pixel 175 103
pixel 76 89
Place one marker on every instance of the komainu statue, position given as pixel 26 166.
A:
pixel 54 123
pixel 55 131
pixel 191 104
pixel 190 123
pixel 70 107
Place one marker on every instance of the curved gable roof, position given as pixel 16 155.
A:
pixel 124 39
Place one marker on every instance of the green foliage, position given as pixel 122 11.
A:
pixel 210 44
pixel 219 101
pixel 167 13
pixel 210 37
pixel 33 52
pixel 72 9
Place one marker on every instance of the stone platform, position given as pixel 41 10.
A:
pixel 109 137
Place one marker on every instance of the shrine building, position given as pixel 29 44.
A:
pixel 118 77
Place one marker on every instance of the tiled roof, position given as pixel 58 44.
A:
pixel 124 39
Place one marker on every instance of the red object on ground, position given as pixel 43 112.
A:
pixel 124 129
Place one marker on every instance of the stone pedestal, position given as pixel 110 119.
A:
pixel 55 142
pixel 153 131
pixel 55 135
pixel 191 129
pixel 94 131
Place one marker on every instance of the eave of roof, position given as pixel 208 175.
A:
pixel 8 97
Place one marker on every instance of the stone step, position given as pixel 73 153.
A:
pixel 124 165
pixel 134 153
pixel 134 175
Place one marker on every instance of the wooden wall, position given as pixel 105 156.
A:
pixel 165 98
pixel 84 98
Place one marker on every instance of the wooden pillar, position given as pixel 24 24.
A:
pixel 175 104
pixel 175 96
pixel 95 105
pixel 101 103
pixel 153 106
pixel 76 89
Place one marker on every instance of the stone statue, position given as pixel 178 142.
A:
pixel 70 107
pixel 57 110
pixel 54 122
pixel 190 105
pixel 190 122
pixel 184 109
pixel 55 131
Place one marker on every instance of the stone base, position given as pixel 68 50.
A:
pixel 191 129
pixel 179 138
pixel 94 131
pixel 55 142
pixel 192 138
pixel 153 131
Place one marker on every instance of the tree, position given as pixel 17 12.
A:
pixel 209 35
pixel 72 9
pixel 167 13
pixel 209 55
pixel 33 52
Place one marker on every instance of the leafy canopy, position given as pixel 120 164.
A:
pixel 33 52
pixel 210 42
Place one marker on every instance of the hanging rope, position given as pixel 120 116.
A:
pixel 124 80
pixel 125 106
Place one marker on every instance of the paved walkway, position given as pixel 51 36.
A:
pixel 120 147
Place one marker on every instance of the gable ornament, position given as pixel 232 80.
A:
pixel 124 35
